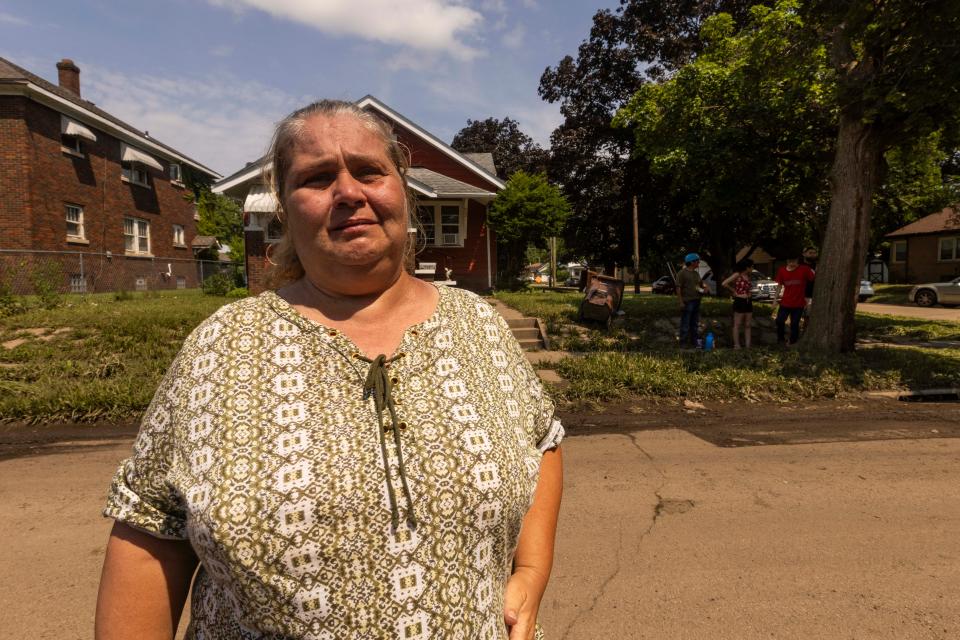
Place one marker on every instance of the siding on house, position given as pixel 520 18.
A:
pixel 923 263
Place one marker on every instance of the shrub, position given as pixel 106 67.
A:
pixel 10 304
pixel 239 292
pixel 219 284
pixel 46 279
pixel 122 295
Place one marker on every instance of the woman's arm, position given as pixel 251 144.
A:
pixel 726 283
pixel 533 559
pixel 143 586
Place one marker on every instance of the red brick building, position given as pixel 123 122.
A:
pixel 453 192
pixel 109 202
pixel 926 250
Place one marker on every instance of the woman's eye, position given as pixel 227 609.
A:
pixel 369 173
pixel 317 179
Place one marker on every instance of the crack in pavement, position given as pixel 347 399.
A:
pixel 657 510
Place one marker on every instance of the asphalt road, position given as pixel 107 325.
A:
pixel 795 526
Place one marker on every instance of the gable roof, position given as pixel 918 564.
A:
pixel 479 163
pixel 942 221
pixel 445 186
pixel 17 80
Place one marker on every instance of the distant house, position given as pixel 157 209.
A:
pixel 453 192
pixel 927 250
pixel 107 204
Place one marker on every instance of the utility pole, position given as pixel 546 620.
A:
pixel 553 261
pixel 636 248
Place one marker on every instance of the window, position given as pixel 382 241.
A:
pixel 898 252
pixel 136 236
pixel 174 172
pixel 178 235
pixel 74 215
pixel 78 284
pixel 274 230
pixel 949 249
pixel 181 282
pixel 71 144
pixel 135 173
pixel 140 284
pixel 443 223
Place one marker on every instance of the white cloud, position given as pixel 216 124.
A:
pixel 426 25
pixel 219 121
pixel 8 18
pixel 514 38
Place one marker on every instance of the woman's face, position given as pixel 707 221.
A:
pixel 343 197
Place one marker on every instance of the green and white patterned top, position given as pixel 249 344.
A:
pixel 261 449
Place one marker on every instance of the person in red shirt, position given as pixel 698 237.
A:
pixel 792 283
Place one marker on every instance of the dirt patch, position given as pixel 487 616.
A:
pixel 739 424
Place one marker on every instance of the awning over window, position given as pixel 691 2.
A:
pixel 130 154
pixel 73 128
pixel 260 200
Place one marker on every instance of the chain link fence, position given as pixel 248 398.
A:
pixel 25 272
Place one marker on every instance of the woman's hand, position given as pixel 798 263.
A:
pixel 521 601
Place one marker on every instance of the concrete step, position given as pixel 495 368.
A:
pixel 526 333
pixel 531 345
pixel 517 323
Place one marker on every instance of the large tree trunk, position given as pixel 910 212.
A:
pixel 853 180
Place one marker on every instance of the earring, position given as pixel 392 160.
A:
pixel 267 254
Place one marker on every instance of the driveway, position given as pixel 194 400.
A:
pixel 807 524
pixel 911 311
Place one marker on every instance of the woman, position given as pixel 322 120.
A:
pixel 739 285
pixel 359 454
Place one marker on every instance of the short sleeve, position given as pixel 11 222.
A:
pixel 141 494
pixel 546 431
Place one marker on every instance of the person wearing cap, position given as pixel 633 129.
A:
pixel 690 288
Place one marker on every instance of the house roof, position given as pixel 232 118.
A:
pixel 445 186
pixel 479 163
pixel 485 160
pixel 205 242
pixel 946 220
pixel 17 80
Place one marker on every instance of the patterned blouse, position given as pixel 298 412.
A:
pixel 261 447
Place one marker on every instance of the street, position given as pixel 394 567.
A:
pixel 911 311
pixel 836 531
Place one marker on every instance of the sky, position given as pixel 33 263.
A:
pixel 211 77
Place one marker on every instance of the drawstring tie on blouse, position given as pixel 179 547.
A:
pixel 379 385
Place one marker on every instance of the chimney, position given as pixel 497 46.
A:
pixel 69 76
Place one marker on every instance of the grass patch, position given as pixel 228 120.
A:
pixel 756 374
pixel 94 357
pixel 898 328
pixel 891 293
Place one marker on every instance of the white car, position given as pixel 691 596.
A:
pixel 945 293
pixel 866 290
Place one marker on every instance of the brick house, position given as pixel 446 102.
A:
pixel 104 203
pixel 928 249
pixel 453 193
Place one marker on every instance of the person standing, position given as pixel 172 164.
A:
pixel 739 285
pixel 792 283
pixel 690 288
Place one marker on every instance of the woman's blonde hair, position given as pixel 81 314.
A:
pixel 285 265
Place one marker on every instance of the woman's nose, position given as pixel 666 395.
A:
pixel 347 190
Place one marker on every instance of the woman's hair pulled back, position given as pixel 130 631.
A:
pixel 285 265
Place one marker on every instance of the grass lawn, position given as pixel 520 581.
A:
pixel 626 362
pixel 94 357
pixel 891 293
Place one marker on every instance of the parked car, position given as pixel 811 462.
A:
pixel 664 284
pixel 866 291
pixel 762 287
pixel 945 293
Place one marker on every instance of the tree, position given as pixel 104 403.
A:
pixel 222 218
pixel 512 149
pixel 898 81
pixel 743 137
pixel 642 40
pixel 527 211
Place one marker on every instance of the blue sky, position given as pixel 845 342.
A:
pixel 210 77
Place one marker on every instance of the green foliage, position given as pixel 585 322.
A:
pixel 238 292
pixel 218 284
pixel 46 278
pixel 121 295
pixel 512 149
pixel 528 209
pixel 9 303
pixel 222 218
